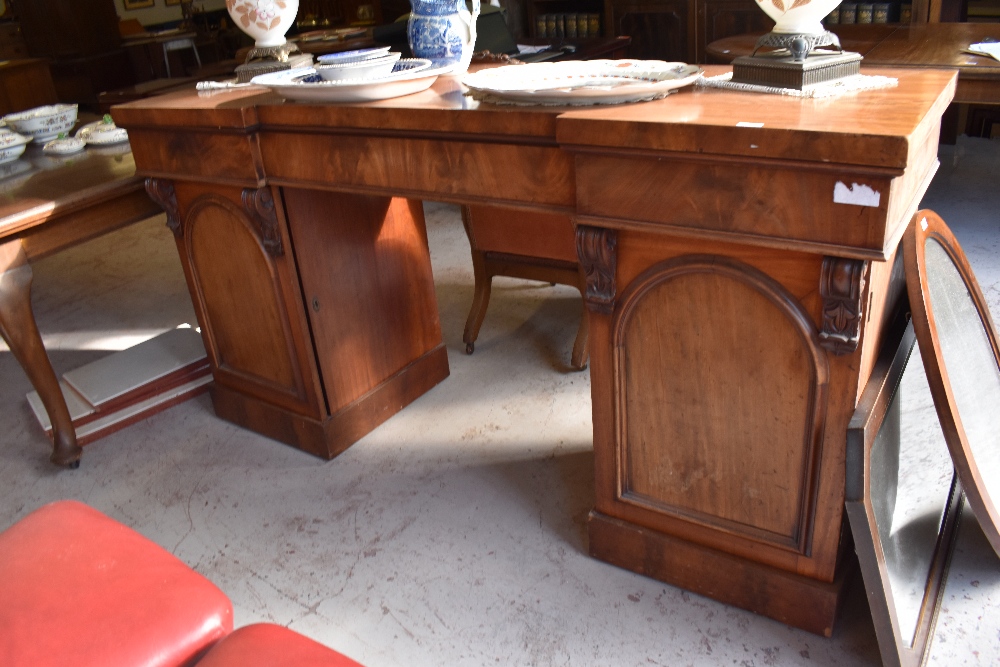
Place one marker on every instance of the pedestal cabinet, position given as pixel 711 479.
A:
pixel 316 335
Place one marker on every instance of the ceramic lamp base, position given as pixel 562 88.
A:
pixel 799 45
pixel 266 59
pixel 780 69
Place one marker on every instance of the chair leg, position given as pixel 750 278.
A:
pixel 480 302
pixel 581 350
pixel 483 285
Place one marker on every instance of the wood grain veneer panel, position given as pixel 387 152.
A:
pixel 456 171
pixel 244 309
pixel 366 276
pixel 752 199
pixel 801 602
pixel 722 399
pixel 220 157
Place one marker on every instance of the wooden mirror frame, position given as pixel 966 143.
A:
pixel 864 481
pixel 927 225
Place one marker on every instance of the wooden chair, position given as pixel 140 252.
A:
pixel 499 239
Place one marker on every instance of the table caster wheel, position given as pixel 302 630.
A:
pixel 470 348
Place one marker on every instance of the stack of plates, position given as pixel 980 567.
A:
pixel 410 75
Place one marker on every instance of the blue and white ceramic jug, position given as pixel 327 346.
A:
pixel 444 31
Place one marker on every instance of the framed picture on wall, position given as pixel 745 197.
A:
pixel 137 4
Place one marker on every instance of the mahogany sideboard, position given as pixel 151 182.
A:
pixel 740 261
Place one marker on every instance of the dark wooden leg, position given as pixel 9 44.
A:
pixel 484 283
pixel 18 328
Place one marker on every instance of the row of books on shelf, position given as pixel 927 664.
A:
pixel 569 25
pixel 869 12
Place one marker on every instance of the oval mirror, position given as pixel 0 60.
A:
pixel 903 500
pixel 958 345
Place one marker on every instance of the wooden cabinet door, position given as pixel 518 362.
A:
pixel 366 276
pixel 235 249
pixel 660 29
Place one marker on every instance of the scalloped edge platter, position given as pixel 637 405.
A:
pixel 581 82
pixel 293 84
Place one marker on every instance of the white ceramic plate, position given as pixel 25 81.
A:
pixel 581 82
pixel 305 85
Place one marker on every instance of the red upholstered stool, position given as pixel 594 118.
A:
pixel 267 645
pixel 78 588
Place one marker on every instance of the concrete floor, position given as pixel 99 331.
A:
pixel 454 534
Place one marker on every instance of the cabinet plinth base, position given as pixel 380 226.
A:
pixel 793 599
pixel 350 423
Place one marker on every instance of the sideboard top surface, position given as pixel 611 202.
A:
pixel 878 124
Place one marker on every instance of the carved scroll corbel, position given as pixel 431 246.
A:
pixel 598 251
pixel 842 286
pixel 259 205
pixel 162 192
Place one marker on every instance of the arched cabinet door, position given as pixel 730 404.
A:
pixel 720 401
pixel 235 250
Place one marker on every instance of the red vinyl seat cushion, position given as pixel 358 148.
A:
pixel 268 645
pixel 81 589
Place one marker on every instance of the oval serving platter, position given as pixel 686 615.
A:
pixel 583 82
pixel 412 75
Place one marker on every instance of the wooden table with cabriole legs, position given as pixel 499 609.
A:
pixel 739 253
pixel 44 210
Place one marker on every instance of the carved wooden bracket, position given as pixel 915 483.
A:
pixel 598 251
pixel 842 285
pixel 259 205
pixel 162 192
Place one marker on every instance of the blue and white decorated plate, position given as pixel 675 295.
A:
pixel 353 56
pixel 411 75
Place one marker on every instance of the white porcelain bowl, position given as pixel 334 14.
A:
pixel 11 146
pixel 43 123
pixel 372 68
